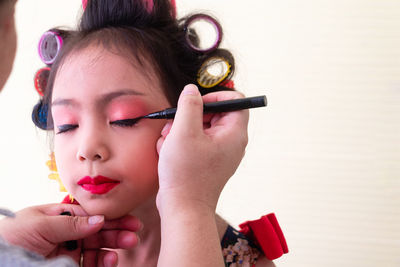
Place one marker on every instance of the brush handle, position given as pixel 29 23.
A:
pixel 217 107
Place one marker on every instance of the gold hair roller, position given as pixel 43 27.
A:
pixel 213 71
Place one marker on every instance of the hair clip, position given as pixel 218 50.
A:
pixel 213 71
pixel 173 4
pixel 40 80
pixel 84 4
pixel 149 4
pixel 49 46
pixel 228 84
pixel 51 164
pixel 198 24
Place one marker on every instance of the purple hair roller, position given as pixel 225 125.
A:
pixel 49 46
pixel 194 42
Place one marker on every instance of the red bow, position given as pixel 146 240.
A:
pixel 267 234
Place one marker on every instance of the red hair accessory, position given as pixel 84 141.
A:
pixel 173 3
pixel 84 3
pixel 70 200
pixel 267 234
pixel 149 5
pixel 228 84
pixel 40 80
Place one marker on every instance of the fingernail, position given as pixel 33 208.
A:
pixel 95 219
pixel 190 90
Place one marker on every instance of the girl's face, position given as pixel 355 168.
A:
pixel 107 164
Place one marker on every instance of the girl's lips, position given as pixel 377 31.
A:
pixel 97 185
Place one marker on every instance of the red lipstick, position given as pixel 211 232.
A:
pixel 98 185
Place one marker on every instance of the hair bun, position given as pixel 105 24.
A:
pixel 100 14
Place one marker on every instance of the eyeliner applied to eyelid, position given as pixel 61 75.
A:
pixel 66 127
pixel 126 122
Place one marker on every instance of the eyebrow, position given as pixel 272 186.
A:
pixel 103 99
pixel 106 98
pixel 64 102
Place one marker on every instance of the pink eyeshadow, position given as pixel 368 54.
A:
pixel 125 109
pixel 63 116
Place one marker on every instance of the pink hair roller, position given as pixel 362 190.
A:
pixel 49 46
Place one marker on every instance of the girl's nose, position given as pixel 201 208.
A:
pixel 92 157
pixel 93 149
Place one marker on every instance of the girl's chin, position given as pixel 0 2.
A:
pixel 109 211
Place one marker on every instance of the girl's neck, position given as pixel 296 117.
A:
pixel 148 249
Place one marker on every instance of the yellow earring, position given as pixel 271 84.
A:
pixel 51 163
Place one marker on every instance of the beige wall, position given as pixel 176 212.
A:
pixel 324 155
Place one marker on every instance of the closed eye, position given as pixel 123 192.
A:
pixel 125 123
pixel 66 128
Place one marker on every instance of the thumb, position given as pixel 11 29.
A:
pixel 65 228
pixel 189 114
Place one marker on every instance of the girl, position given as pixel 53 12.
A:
pixel 129 58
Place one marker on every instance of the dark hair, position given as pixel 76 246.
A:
pixel 3 6
pixel 5 1
pixel 128 28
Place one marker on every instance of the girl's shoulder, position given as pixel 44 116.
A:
pixel 264 262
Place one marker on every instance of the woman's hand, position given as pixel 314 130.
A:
pixel 43 230
pixel 198 154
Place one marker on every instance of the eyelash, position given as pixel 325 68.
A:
pixel 66 128
pixel 122 123
pixel 125 123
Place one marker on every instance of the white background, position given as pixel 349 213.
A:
pixel 324 155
